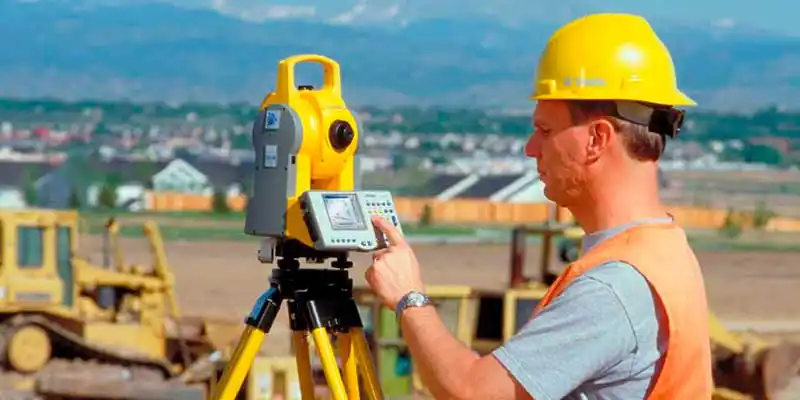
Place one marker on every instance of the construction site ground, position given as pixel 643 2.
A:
pixel 223 278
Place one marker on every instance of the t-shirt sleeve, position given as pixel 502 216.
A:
pixel 578 336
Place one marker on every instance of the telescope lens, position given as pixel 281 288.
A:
pixel 341 135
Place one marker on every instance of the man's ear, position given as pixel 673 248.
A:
pixel 601 134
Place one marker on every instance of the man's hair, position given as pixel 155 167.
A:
pixel 640 143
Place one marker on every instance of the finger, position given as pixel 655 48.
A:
pixel 368 274
pixel 394 235
pixel 378 254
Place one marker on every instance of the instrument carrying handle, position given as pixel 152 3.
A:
pixel 286 74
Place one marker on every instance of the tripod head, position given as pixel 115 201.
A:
pixel 306 201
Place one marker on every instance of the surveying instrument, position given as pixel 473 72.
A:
pixel 306 203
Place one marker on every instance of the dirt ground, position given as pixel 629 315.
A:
pixel 222 279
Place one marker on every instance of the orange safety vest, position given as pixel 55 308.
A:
pixel 661 253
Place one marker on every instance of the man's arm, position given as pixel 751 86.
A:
pixel 576 337
pixel 448 368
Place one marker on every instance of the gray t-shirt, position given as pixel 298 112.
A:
pixel 597 340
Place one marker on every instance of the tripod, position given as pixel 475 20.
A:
pixel 320 302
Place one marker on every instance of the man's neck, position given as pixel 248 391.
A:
pixel 617 203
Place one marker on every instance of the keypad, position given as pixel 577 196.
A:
pixel 382 209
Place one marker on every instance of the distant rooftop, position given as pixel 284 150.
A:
pixel 439 183
pixel 487 186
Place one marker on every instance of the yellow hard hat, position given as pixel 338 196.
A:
pixel 608 57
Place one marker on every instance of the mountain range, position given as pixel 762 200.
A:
pixel 179 51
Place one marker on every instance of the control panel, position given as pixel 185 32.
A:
pixel 341 221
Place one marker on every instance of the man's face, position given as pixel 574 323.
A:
pixel 559 148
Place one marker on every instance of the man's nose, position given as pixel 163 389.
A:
pixel 533 148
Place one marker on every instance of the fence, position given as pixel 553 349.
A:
pixel 482 212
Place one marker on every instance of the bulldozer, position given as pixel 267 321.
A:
pixel 746 366
pixel 71 329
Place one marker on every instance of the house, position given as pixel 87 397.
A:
pixel 181 177
pixel 202 177
pixel 227 178
pixel 19 182
pixel 440 183
pixel 527 188
pixel 85 178
pixel 484 187
pixel 514 188
pixel 429 186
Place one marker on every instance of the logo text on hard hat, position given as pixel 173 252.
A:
pixel 583 82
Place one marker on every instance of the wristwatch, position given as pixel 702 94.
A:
pixel 411 299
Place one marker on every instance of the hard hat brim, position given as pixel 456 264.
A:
pixel 675 99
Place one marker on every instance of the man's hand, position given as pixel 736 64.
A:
pixel 394 270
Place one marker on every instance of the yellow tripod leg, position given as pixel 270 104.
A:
pixel 371 385
pixel 303 365
pixel 239 365
pixel 258 323
pixel 329 365
pixel 349 367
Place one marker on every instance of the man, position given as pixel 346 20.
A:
pixel 628 319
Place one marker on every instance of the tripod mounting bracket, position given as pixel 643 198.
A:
pixel 318 298
pixel 290 251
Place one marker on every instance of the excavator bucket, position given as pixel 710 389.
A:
pixel 780 369
pixel 212 334
pixel 745 364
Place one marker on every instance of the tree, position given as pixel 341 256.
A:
pixel 107 197
pixel 759 153
pixel 762 215
pixel 426 218
pixel 30 193
pixel 732 226
pixel 399 161
pixel 219 203
pixel 74 199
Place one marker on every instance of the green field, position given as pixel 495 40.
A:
pixel 748 241
pixel 205 226
pixel 188 226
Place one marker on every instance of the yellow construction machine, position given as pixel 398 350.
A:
pixel 746 366
pixel 70 329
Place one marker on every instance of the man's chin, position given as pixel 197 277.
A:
pixel 554 197
pixel 549 195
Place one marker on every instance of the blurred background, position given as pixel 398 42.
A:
pixel 143 110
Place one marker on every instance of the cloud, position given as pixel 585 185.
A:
pixel 274 12
pixel 262 12
pixel 351 14
pixel 367 10
pixel 724 23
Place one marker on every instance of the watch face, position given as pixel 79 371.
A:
pixel 412 299
pixel 416 299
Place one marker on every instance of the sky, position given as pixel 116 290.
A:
pixel 773 15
